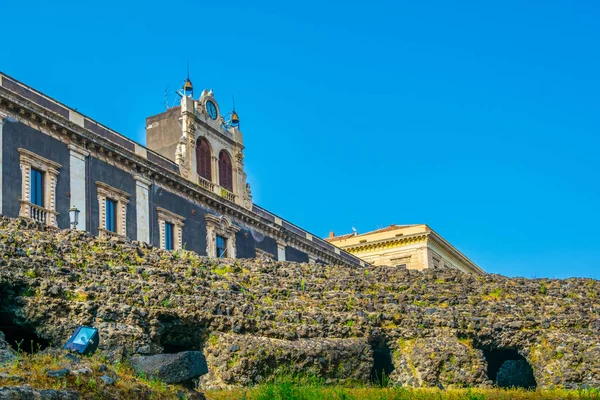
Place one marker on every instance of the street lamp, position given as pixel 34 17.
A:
pixel 74 215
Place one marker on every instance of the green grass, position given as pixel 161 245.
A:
pixel 291 391
pixel 31 369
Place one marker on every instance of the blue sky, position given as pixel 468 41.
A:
pixel 478 118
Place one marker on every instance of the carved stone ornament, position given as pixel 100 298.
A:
pixel 239 156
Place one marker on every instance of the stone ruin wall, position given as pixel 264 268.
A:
pixel 255 319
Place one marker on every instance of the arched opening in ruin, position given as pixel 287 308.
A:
pixel 507 368
pixel 21 338
pixel 382 362
pixel 178 338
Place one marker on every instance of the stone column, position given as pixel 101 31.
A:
pixel 77 169
pixel 280 251
pixel 142 208
pixel 312 259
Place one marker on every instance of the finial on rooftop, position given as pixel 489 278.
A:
pixel 188 88
pixel 235 119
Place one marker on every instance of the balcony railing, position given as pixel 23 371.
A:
pixel 38 214
pixel 227 195
pixel 206 184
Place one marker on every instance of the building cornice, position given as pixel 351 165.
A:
pixel 387 243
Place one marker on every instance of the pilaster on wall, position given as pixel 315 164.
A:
pixel 77 161
pixel 280 251
pixel 142 205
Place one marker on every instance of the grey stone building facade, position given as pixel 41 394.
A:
pixel 186 189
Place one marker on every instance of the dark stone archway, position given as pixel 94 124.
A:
pixel 507 368
pixel 21 338
pixel 382 361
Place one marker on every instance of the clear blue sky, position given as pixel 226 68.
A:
pixel 480 119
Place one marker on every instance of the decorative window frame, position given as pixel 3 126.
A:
pixel 122 199
pixel 221 226
pixel 29 160
pixel 165 216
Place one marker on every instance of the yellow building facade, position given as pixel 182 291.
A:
pixel 408 246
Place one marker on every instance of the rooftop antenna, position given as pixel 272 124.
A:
pixel 167 98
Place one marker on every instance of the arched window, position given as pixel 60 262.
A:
pixel 203 159
pixel 225 171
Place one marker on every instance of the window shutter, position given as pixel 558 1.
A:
pixel 203 159
pixel 225 171
pixel 230 176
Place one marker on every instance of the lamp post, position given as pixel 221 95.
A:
pixel 74 216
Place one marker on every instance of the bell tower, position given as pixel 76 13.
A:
pixel 218 164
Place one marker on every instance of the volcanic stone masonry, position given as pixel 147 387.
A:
pixel 256 318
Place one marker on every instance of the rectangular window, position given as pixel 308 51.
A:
pixel 111 215
pixel 37 187
pixel 221 246
pixel 168 236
